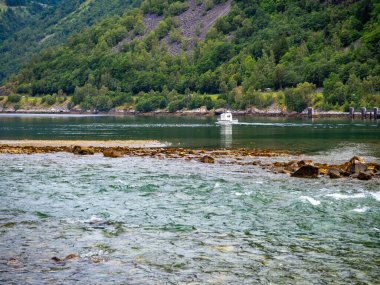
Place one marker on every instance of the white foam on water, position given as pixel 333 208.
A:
pixel 376 196
pixel 95 220
pixel 338 196
pixel 311 200
pixel 361 210
pixel 247 193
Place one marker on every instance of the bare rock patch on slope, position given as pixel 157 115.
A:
pixel 193 24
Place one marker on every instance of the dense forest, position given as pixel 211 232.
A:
pixel 28 26
pixel 290 53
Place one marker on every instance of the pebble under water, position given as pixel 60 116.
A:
pixel 139 220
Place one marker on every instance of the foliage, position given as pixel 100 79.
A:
pixel 49 99
pixel 14 98
pixel 27 29
pixel 248 57
pixel 297 99
pixel 150 103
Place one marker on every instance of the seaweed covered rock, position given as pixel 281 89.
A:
pixel 112 153
pixel 334 173
pixel 356 165
pixel 82 150
pixel 207 159
pixel 306 171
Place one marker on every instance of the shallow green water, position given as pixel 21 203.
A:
pixel 295 134
pixel 150 221
pixel 140 220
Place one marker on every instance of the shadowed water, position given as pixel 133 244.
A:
pixel 149 221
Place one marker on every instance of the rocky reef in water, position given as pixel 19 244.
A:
pixel 355 168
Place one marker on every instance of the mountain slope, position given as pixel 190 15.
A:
pixel 17 14
pixel 294 47
pixel 33 26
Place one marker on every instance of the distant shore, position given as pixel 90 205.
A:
pixel 196 112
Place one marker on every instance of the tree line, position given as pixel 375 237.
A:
pixel 303 52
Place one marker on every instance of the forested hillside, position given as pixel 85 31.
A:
pixel 147 58
pixel 28 26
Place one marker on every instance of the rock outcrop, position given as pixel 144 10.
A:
pixel 306 171
pixel 207 159
pixel 364 175
pixel 334 173
pixel 82 150
pixel 355 168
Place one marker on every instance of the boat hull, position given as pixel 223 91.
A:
pixel 225 122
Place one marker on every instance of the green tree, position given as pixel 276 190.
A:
pixel 300 97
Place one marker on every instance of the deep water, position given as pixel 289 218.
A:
pixel 140 220
pixel 301 135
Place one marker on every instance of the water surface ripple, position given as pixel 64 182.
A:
pixel 149 221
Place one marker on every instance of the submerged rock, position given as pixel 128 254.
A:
pixel 69 257
pixel 207 159
pixel 306 171
pixel 13 262
pixel 72 256
pixel 57 259
pixel 112 153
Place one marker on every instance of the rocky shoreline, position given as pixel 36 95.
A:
pixel 273 111
pixel 330 114
pixel 355 168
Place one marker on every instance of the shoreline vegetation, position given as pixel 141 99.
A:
pixel 355 168
pixel 199 112
pixel 272 111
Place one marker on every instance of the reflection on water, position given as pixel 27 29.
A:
pixel 226 135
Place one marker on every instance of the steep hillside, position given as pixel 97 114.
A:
pixel 167 53
pixel 17 14
pixel 27 26
pixel 190 25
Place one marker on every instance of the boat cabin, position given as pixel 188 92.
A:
pixel 226 116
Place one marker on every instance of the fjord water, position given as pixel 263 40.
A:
pixel 301 135
pixel 141 220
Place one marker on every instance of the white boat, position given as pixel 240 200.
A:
pixel 226 119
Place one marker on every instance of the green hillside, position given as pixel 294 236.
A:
pixel 289 49
pixel 27 26
pixel 17 14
